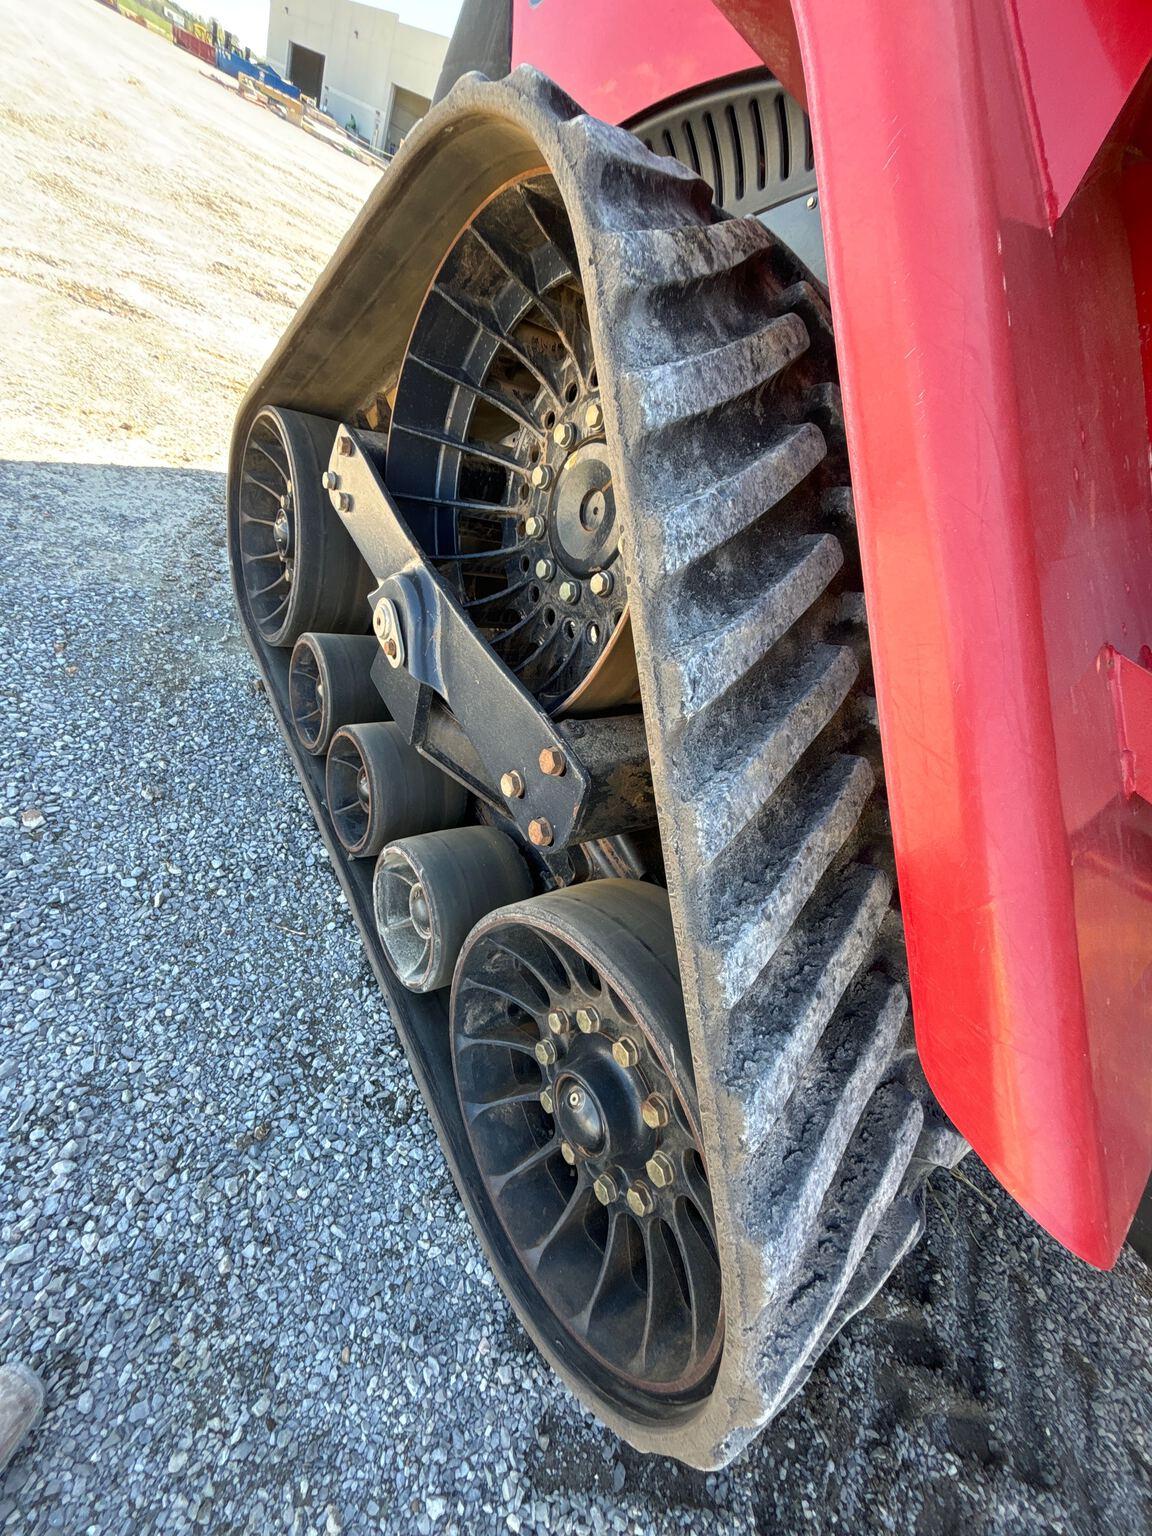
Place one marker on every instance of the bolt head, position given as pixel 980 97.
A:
pixel 625 1052
pixel 390 648
pixel 541 477
pixel 343 501
pixel 569 591
pixel 557 1021
pixel 512 785
pixel 345 445
pixel 587 1020
pixel 546 1053
pixel 640 1201
pixel 568 1152
pixel 811 203
pixel 593 417
pixel 601 583
pixel 654 1112
pixel 661 1170
pixel 564 435
pixel 540 833
pixel 547 1103
pixel 606 1189
pixel 533 526
pixel 545 569
pixel 330 481
pixel 553 762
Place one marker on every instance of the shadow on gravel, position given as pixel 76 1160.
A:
pixel 229 1243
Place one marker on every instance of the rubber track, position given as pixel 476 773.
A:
pixel 730 474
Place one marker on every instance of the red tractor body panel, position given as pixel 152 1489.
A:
pixel 619 59
pixel 989 332
pixel 990 260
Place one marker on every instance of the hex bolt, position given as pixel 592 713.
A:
pixel 512 785
pixel 540 832
pixel 564 435
pixel 569 591
pixel 541 477
pixel 557 1021
pixel 330 481
pixel 553 762
pixel 345 445
pixel 546 1102
pixel 546 1053
pixel 587 1020
pixel 593 417
pixel 568 1152
pixel 661 1170
pixel 601 584
pixel 640 1201
pixel 343 502
pixel 533 526
pixel 811 203
pixel 606 1189
pixel 653 1111
pixel 545 569
pixel 625 1052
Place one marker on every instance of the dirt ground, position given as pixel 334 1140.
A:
pixel 294 1331
pixel 158 234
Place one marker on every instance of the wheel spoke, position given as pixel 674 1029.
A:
pixel 539 1157
pixel 517 351
pixel 262 448
pixel 485 391
pixel 466 446
pixel 568 1219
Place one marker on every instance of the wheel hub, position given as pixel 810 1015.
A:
pixel 583 513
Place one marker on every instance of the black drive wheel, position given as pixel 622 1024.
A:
pixel 575 1083
pixel 497 454
pixel 299 568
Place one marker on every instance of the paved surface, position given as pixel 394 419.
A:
pixel 228 1241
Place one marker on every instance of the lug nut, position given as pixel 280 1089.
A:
pixel 606 1189
pixel 587 1020
pixel 540 832
pixel 546 1103
pixel 546 1053
pixel 661 1170
pixel 625 1053
pixel 545 569
pixel 343 502
pixel 601 583
pixel 568 1152
pixel 569 591
pixel 329 481
pixel 552 762
pixel 564 435
pixel 593 417
pixel 557 1021
pixel 541 477
pixel 653 1111
pixel 345 445
pixel 512 785
pixel 533 526
pixel 640 1201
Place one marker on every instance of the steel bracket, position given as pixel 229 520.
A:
pixel 456 700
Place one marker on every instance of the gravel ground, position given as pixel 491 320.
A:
pixel 228 1240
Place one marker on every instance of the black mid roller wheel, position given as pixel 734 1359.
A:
pixel 574 1077
pixel 300 570
pixel 379 788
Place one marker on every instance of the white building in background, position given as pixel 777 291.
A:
pixel 368 69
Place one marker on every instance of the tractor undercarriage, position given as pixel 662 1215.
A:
pixel 543 540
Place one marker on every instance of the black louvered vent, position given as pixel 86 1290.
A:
pixel 751 143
